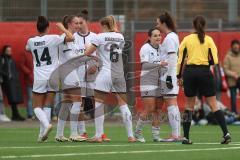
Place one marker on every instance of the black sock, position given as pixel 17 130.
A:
pixel 221 121
pixel 187 119
pixel 15 112
pixel 89 106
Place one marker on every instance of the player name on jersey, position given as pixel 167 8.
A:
pixel 42 43
pixel 113 39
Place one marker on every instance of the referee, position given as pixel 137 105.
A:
pixel 197 52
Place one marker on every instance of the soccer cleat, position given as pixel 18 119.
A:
pixel 39 140
pixel 172 139
pixel 95 140
pixel 139 137
pixel 226 139
pixel 61 139
pixel 4 118
pixel 157 140
pixel 105 138
pixel 131 139
pixel 85 135
pixel 186 141
pixel 77 138
pixel 46 132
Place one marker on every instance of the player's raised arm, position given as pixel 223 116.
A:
pixel 69 36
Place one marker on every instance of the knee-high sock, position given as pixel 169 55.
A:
pixel 41 116
pixel 99 119
pixel 62 118
pixel 155 133
pixel 81 127
pixel 127 119
pixel 221 121
pixel 187 119
pixel 75 110
pixel 81 124
pixel 140 125
pixel 174 120
pixel 47 109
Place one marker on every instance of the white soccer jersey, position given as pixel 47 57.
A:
pixel 68 50
pixel 149 78
pixel 45 54
pixel 109 48
pixel 150 54
pixel 83 41
pixel 169 51
pixel 169 46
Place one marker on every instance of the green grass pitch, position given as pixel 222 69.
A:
pixel 20 143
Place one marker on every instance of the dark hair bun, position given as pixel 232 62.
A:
pixel 84 11
pixel 42 23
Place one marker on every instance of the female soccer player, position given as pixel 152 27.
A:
pixel 110 78
pixel 168 84
pixel 44 48
pixel 149 84
pixel 83 38
pixel 196 48
pixel 70 85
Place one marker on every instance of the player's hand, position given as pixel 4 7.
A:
pixel 180 82
pixel 92 69
pixel 163 63
pixel 235 76
pixel 60 26
pixel 169 82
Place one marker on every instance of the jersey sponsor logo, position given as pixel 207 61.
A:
pixel 80 51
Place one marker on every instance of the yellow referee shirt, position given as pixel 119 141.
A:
pixel 195 52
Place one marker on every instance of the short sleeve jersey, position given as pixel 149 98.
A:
pixel 45 54
pixel 150 54
pixel 110 48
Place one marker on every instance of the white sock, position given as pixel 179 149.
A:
pixel 75 110
pixel 60 127
pixel 139 126
pixel 40 114
pixel 41 132
pixel 174 120
pixel 47 111
pixel 99 119
pixel 62 118
pixel 81 127
pixel 155 132
pixel 179 122
pixel 127 119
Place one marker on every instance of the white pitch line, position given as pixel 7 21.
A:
pixel 117 152
pixel 111 145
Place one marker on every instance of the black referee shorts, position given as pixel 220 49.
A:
pixel 198 80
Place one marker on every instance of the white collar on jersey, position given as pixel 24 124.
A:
pixel 85 35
